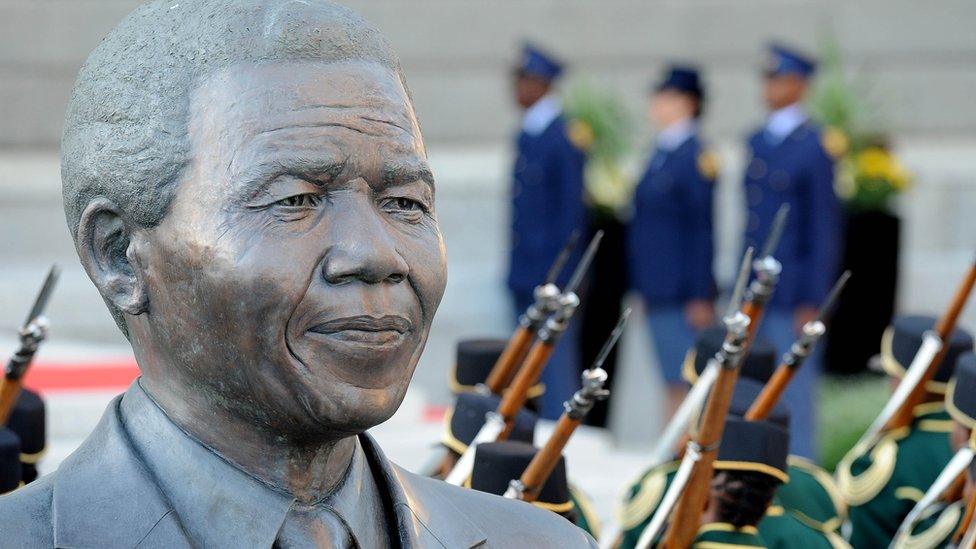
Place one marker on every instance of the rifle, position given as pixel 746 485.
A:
pixel 965 536
pixel 954 470
pixel 546 302
pixel 794 358
pixel 897 412
pixel 689 489
pixel 499 423
pixel 530 483
pixel 767 269
pixel 31 335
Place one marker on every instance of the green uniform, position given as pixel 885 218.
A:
pixel 935 530
pixel 810 496
pixel 720 535
pixel 586 517
pixel 883 485
pixel 781 529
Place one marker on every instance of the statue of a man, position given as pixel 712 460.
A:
pixel 247 186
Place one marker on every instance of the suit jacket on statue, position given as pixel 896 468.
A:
pixel 105 496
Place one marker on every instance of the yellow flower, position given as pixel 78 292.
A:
pixel 581 134
pixel 874 163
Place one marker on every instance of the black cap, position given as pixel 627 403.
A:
pixel 683 79
pixel 758 446
pixel 759 364
pixel 961 391
pixel 498 463
pixel 474 360
pixel 745 393
pixel 468 415
pixel 27 421
pixel 9 460
pixel 904 337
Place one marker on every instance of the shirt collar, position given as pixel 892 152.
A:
pixel 782 122
pixel 675 135
pixel 220 505
pixel 538 117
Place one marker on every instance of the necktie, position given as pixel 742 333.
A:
pixel 313 527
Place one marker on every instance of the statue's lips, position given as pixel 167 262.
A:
pixel 364 329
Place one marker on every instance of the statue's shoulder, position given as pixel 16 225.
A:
pixel 507 522
pixel 25 515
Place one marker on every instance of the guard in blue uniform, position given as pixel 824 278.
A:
pixel 547 206
pixel 789 165
pixel 670 244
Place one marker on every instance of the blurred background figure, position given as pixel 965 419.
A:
pixel 547 206
pixel 790 165
pixel 670 245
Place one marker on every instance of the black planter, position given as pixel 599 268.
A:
pixel 868 303
pixel 602 306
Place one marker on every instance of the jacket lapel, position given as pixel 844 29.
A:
pixel 103 495
pixel 412 503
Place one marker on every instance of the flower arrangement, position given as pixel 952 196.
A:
pixel 600 125
pixel 869 175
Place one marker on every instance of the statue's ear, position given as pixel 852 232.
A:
pixel 108 247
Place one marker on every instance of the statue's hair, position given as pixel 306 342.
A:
pixel 125 132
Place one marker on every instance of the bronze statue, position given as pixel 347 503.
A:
pixel 247 186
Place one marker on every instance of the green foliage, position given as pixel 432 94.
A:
pixel 600 124
pixel 847 405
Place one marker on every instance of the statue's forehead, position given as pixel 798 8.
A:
pixel 261 96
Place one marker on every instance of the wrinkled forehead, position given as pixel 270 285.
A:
pixel 256 105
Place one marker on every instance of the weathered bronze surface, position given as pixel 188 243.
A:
pixel 248 188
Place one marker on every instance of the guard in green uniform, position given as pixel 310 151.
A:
pixel 498 463
pixel 883 485
pixel 941 520
pixel 812 506
pixel 750 466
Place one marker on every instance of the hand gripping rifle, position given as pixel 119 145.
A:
pixel 499 423
pixel 530 322
pixel 954 470
pixel 689 489
pixel 766 269
pixel 31 335
pixel 910 392
pixel 528 486
pixel 810 334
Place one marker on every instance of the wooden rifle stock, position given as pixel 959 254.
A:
pixel 967 519
pixel 687 513
pixel 513 355
pixel 9 391
pixel 904 416
pixel 528 375
pixel 771 393
pixel 545 460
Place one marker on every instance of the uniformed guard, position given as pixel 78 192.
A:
pixel 670 244
pixel 547 206
pixel 884 484
pixel 27 420
pixel 788 164
pixel 938 522
pixel 498 463
pixel 807 506
pixel 750 466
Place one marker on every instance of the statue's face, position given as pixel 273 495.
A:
pixel 294 279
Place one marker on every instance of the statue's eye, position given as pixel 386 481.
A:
pixel 407 204
pixel 308 200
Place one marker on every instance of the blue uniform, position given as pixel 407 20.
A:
pixel 670 245
pixel 795 169
pixel 547 206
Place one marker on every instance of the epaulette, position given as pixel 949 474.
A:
pixel 860 489
pixel 580 134
pixel 585 508
pixel 826 482
pixel 938 533
pixel 835 142
pixel 651 486
pixel 708 164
